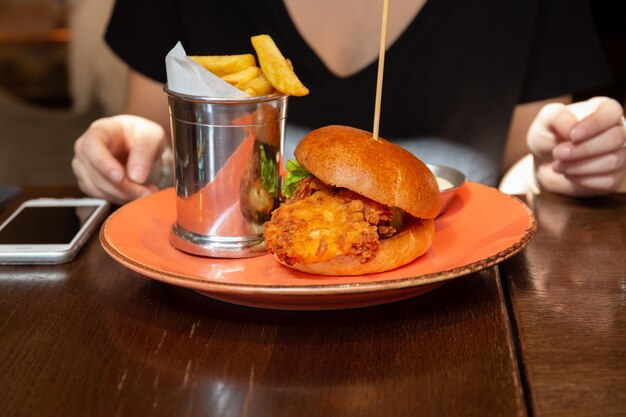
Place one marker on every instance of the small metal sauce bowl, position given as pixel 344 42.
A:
pixel 456 179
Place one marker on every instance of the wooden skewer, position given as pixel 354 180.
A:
pixel 381 70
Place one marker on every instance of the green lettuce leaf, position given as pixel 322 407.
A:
pixel 269 173
pixel 295 172
pixel 397 216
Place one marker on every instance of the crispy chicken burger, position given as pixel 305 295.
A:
pixel 355 205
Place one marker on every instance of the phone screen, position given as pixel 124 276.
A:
pixel 45 225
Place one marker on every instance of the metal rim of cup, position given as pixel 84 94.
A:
pixel 251 99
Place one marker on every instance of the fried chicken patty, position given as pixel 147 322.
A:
pixel 321 222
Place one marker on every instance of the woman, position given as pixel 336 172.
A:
pixel 476 85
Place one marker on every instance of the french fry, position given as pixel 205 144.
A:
pixel 221 65
pixel 243 76
pixel 276 68
pixel 259 86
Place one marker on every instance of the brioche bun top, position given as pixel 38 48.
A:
pixel 350 158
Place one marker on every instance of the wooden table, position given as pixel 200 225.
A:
pixel 567 293
pixel 543 334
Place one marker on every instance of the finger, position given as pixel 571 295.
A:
pixel 551 126
pixel 97 148
pixel 87 185
pixel 92 183
pixel 81 169
pixel 610 140
pixel 130 190
pixel 140 161
pixel 88 177
pixel 607 113
pixel 147 141
pixel 602 164
pixel 562 184
pixel 597 184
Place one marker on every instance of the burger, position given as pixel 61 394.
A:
pixel 355 205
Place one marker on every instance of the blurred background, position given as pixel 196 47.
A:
pixel 57 75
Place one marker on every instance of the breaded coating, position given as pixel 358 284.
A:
pixel 323 222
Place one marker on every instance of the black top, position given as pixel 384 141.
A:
pixel 456 73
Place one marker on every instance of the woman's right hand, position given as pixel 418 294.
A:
pixel 114 157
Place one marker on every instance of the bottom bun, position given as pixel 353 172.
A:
pixel 412 242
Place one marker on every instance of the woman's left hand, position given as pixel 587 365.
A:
pixel 579 148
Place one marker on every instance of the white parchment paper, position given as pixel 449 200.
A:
pixel 186 76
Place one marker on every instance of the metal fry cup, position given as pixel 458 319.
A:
pixel 227 154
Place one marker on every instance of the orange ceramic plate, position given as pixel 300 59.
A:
pixel 480 228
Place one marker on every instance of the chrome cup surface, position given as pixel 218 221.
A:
pixel 227 154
